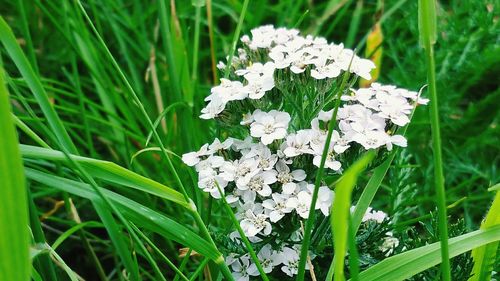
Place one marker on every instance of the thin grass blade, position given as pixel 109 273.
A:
pixel 407 264
pixel 14 238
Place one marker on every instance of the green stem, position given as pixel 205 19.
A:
pixel 194 72
pixel 249 247
pixel 427 22
pixel 310 220
pixel 235 38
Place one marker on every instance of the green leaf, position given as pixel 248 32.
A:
pixel 495 187
pixel 14 236
pixel 16 54
pixel 339 214
pixel 369 192
pixel 484 256
pixel 139 214
pixel 38 249
pixel 117 238
pixel 427 21
pixel 407 264
pixel 111 172
pixel 198 3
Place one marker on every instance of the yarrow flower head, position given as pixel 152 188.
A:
pixel 278 106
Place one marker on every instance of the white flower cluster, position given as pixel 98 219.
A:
pixel 263 177
pixel 287 50
pixel 287 258
pixel 261 182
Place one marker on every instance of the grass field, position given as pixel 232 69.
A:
pixel 99 100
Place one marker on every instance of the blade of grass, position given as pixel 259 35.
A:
pixel 339 213
pixel 14 240
pixel 110 172
pixel 236 36
pixel 118 239
pixel 484 256
pixel 16 54
pixel 72 230
pixel 199 269
pixel 243 237
pixel 43 262
pixel 319 176
pixel 407 264
pixel 219 260
pixel 45 248
pixel 27 35
pixel 139 214
pixel 213 58
pixel 427 31
pixel 159 252
pixel 183 263
pixel 354 25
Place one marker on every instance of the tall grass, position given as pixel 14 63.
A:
pixel 14 241
pixel 428 33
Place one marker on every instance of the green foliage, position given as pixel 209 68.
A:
pixel 14 241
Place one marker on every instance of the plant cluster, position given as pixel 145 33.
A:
pixel 280 96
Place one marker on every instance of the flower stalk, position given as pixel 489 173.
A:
pixel 427 27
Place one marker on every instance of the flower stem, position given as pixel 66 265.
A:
pixel 249 247
pixel 427 21
pixel 310 219
pixel 235 38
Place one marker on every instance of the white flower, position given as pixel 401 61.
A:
pixel 262 37
pixel 269 126
pixel 217 145
pixel 290 260
pixel 301 203
pixel 362 67
pixel 212 185
pixel 267 258
pixel 253 224
pixel 277 206
pixel 397 140
pixel 300 60
pixel 394 108
pixel 363 96
pixel 372 139
pixel 324 70
pixel 340 144
pixel 243 145
pixel 240 267
pixel 247 119
pixel 213 109
pixel 325 199
pixel 227 91
pixel 263 156
pixel 389 244
pixel 280 56
pixel 374 215
pixel 240 171
pixel 258 86
pixel 193 158
pixel 297 144
pixel 330 161
pixel 260 184
pixel 257 70
pixel 288 178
